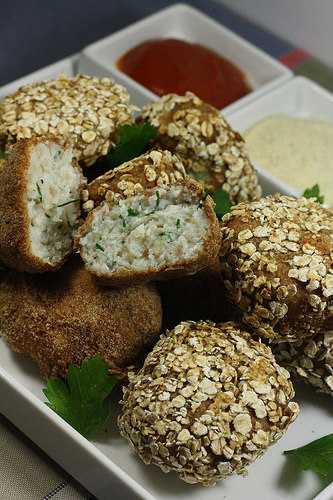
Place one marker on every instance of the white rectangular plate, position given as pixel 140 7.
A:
pixel 108 465
pixel 187 23
pixel 298 97
pixel 66 66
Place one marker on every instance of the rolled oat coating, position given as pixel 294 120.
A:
pixel 155 222
pixel 276 262
pixel 87 109
pixel 310 360
pixel 208 401
pixel 211 151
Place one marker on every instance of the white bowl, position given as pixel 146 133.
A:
pixel 66 66
pixel 298 97
pixel 184 22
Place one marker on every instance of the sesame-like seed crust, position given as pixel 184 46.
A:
pixel 310 360
pixel 143 175
pixel 87 109
pixel 277 265
pixel 208 401
pixel 211 151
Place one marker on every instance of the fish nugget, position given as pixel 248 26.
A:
pixel 68 318
pixel 277 265
pixel 207 403
pixel 40 205
pixel 155 223
pixel 212 152
pixel 90 110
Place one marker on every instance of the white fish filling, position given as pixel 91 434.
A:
pixel 146 232
pixel 53 201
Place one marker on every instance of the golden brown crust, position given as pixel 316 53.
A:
pixel 15 247
pixel 277 264
pixel 67 318
pixel 212 152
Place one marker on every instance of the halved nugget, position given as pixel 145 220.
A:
pixel 155 223
pixel 39 205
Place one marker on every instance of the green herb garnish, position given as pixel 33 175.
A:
pixel 99 247
pixel 178 224
pixel 222 202
pixel 68 202
pixel 314 192
pixel 123 220
pixel 133 140
pixel 40 197
pixel 317 456
pixel 157 200
pixel 132 212
pixel 80 398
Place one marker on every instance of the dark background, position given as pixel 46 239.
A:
pixel 36 33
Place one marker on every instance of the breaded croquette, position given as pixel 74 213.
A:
pixel 208 401
pixel 155 223
pixel 39 204
pixel 67 318
pixel 212 152
pixel 87 109
pixel 277 265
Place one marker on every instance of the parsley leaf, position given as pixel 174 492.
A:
pixel 222 201
pixel 132 212
pixel 99 247
pixel 317 456
pixel 157 204
pixel 68 202
pixel 133 140
pixel 40 197
pixel 314 192
pixel 178 224
pixel 80 398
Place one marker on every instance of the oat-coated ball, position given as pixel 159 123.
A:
pixel 86 109
pixel 211 151
pixel 310 360
pixel 208 401
pixel 277 264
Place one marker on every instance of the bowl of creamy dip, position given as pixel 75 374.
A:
pixel 289 137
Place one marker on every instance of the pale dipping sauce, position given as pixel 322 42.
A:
pixel 297 151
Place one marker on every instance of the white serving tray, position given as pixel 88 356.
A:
pixel 67 66
pixel 299 97
pixel 108 468
pixel 182 21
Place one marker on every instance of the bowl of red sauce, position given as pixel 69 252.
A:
pixel 171 65
pixel 180 49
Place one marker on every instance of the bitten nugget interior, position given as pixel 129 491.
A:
pixel 165 224
pixel 40 204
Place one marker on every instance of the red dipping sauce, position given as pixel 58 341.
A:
pixel 169 65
